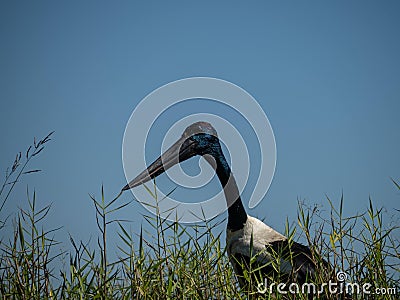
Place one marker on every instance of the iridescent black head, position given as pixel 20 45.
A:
pixel 204 138
pixel 200 138
pixel 200 128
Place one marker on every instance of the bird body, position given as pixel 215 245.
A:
pixel 247 237
pixel 251 241
pixel 270 251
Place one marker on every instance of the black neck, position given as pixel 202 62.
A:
pixel 237 216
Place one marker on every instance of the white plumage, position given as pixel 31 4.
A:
pixel 260 235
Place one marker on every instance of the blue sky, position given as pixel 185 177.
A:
pixel 327 74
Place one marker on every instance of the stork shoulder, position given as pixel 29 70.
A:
pixel 252 240
pixel 253 230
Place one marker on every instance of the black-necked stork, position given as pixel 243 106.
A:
pixel 246 236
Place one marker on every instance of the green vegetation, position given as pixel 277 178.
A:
pixel 174 261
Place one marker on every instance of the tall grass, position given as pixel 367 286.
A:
pixel 167 260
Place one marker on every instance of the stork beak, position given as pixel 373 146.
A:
pixel 182 150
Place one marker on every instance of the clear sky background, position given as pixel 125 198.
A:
pixel 327 74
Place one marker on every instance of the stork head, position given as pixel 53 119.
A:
pixel 200 138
